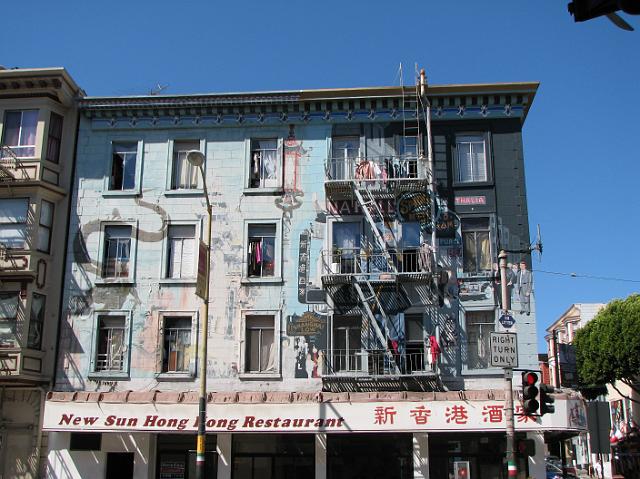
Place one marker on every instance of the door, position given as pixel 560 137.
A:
pixel 119 465
pixel 346 246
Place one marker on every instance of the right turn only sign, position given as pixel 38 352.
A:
pixel 504 350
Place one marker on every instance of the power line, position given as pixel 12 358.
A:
pixel 588 276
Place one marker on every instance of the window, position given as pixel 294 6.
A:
pixel 344 156
pixel 13 222
pixel 479 326
pixel 54 138
pixel 9 302
pixel 347 344
pixel 184 175
pixel 20 132
pixel 260 347
pixel 85 441
pixel 472 159
pixel 176 357
pixel 110 350
pixel 181 251
pixel 46 223
pixel 476 245
pixel 265 164
pixel 117 251
pixel 345 255
pixel 123 167
pixel 408 149
pixel 412 262
pixel 36 320
pixel 261 252
pixel 414 334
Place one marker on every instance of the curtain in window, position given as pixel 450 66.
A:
pixel 36 318
pixel 184 174
pixel 469 252
pixel 472 165
pixel 181 251
pixel 484 251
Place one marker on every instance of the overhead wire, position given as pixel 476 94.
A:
pixel 588 276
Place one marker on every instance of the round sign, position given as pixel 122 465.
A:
pixel 506 320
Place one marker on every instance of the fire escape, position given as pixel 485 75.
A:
pixel 372 278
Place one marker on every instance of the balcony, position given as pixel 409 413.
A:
pixel 386 177
pixel 343 265
pixel 25 170
pixel 373 363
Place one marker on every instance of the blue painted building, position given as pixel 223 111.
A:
pixel 352 284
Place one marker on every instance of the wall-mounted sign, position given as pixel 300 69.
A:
pixel 303 267
pixel 470 200
pixel 447 225
pixel 309 324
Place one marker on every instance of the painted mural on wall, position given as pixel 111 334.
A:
pixel 309 331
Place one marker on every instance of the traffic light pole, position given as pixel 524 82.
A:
pixel 508 378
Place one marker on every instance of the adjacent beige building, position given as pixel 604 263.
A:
pixel 38 123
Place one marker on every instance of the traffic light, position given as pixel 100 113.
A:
pixel 530 402
pixel 583 10
pixel 546 401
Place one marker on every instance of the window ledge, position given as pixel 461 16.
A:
pixel 178 282
pixel 121 194
pixel 263 191
pixel 108 281
pixel 260 376
pixel 175 377
pixel 269 280
pixel 109 376
pixel 184 192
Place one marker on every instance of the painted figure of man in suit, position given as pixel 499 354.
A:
pixel 525 286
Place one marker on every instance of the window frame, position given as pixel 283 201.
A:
pixel 136 190
pixel 486 138
pixel 164 270
pixel 130 279
pixel 477 272
pixel 42 226
pixel 24 224
pixel 262 190
pixel 41 322
pixel 124 373
pixel 51 136
pixel 243 361
pixel 4 132
pixel 169 189
pixel 466 370
pixel 15 343
pixel 193 362
pixel 277 270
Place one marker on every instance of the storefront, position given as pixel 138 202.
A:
pixel 282 435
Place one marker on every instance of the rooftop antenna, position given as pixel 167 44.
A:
pixel 158 89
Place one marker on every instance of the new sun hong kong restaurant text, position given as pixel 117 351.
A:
pixel 308 417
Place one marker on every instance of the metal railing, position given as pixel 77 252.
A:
pixel 9 163
pixel 376 363
pixel 348 261
pixel 110 362
pixel 372 168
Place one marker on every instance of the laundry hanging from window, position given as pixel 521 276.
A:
pixel 261 250
pixel 264 164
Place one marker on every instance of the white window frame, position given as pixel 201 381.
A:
pixel 277 271
pixel 132 253
pixel 35 146
pixel 191 372
pixel 24 224
pixel 487 155
pixel 169 189
pixel 465 364
pixel 164 272
pixel 124 373
pixel 279 164
pixel 136 190
pixel 277 321
pixel 337 170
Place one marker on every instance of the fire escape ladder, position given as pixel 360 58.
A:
pixel 369 300
pixel 8 162
pixel 375 217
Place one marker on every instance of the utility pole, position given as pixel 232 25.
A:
pixel 512 469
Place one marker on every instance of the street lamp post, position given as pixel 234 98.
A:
pixel 196 158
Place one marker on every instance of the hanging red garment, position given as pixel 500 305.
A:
pixel 435 349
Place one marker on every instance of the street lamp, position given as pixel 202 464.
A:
pixel 196 158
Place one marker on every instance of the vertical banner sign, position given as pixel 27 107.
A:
pixel 201 284
pixel 303 267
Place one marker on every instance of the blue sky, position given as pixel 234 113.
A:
pixel 581 136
